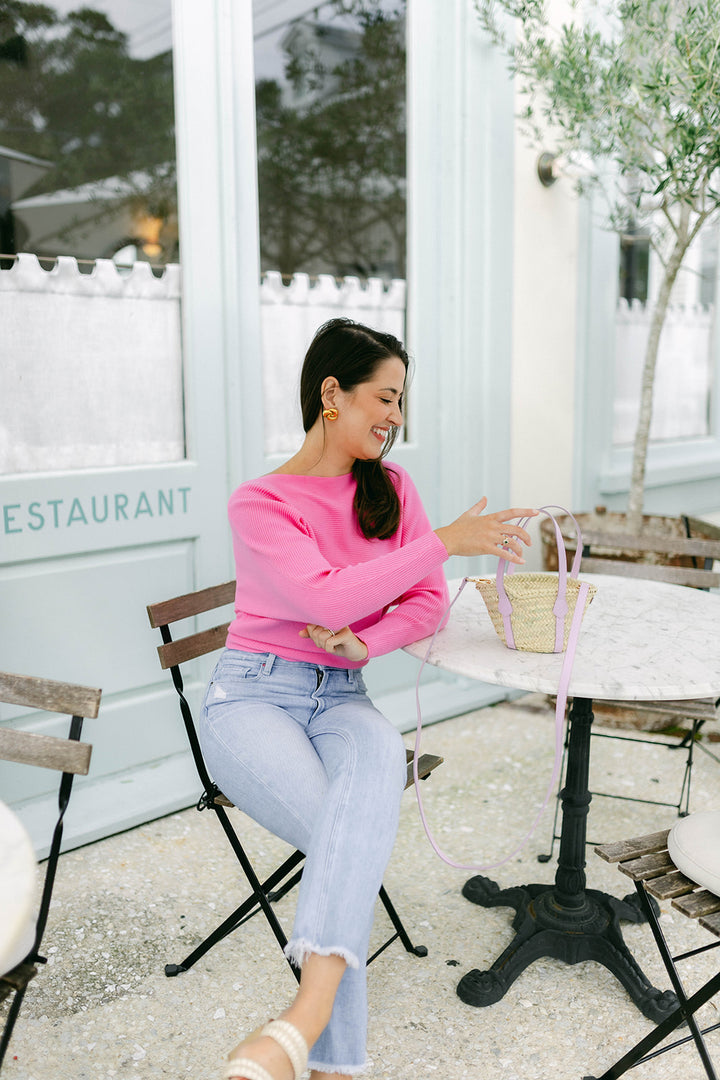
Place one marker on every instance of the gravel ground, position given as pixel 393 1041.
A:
pixel 123 907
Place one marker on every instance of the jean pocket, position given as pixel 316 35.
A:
pixel 229 678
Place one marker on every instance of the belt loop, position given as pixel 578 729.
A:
pixel 268 663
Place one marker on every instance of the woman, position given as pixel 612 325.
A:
pixel 336 562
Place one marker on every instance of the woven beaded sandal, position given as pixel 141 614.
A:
pixel 287 1036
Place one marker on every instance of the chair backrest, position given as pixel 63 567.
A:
pixel 198 643
pixel 68 756
pixel 174 653
pixel 698 557
pixel 48 752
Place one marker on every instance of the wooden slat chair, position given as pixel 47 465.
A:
pixel 69 757
pixel 173 655
pixel 646 861
pixel 696 713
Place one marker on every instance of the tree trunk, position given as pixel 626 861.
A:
pixel 642 433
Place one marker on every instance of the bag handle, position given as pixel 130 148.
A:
pixel 560 606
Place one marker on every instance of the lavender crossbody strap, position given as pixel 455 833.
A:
pixel 560 706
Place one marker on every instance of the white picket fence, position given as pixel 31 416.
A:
pixel 684 374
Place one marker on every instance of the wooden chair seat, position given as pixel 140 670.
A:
pixel 426 764
pixel 646 859
pixel 701 709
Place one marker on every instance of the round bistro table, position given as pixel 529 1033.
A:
pixel 640 640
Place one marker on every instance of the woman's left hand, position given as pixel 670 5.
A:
pixel 343 643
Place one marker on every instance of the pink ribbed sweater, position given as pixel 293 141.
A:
pixel 300 558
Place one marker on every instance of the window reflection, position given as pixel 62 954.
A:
pixel 87 144
pixel 684 382
pixel 634 263
pixel 330 97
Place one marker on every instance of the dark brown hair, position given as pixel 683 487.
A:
pixel 351 353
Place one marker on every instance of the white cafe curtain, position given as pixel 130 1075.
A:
pixel 91 366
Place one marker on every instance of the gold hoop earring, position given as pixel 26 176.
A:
pixel 330 414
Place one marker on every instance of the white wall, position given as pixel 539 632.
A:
pixel 545 256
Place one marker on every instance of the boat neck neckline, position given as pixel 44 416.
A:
pixel 391 466
pixel 309 476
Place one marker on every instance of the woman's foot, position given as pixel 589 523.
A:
pixel 277 1052
pixel 300 1026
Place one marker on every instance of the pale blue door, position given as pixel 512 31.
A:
pixel 115 389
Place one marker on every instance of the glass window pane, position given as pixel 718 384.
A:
pixel 331 145
pixel 87 141
pixel 683 387
pixel 92 370
pixel 330 97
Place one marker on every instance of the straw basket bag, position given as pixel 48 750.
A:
pixel 534 612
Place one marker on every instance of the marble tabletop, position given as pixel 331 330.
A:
pixel 18 878
pixel 640 640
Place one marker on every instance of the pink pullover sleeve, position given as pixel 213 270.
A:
pixel 287 577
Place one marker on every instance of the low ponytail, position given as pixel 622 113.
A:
pixel 351 353
pixel 376 502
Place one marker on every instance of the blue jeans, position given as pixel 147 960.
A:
pixel 302 750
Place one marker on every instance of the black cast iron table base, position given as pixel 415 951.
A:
pixel 546 928
pixel 565 921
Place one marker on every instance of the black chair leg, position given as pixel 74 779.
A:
pixel 263 895
pixel 400 931
pixel 640 1052
pixel 10 1021
pixel 672 971
pixel 685 1012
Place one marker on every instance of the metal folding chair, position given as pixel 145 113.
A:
pixel 70 757
pixel 646 861
pixel 690 715
pixel 263 894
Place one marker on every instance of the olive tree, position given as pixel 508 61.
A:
pixel 632 87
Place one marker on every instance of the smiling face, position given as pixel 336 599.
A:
pixel 366 414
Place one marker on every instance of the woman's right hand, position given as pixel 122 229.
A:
pixel 475 533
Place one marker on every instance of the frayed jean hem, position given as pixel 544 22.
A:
pixel 299 951
pixel 344 1070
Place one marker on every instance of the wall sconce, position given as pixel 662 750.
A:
pixel 547 169
pixel 578 168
